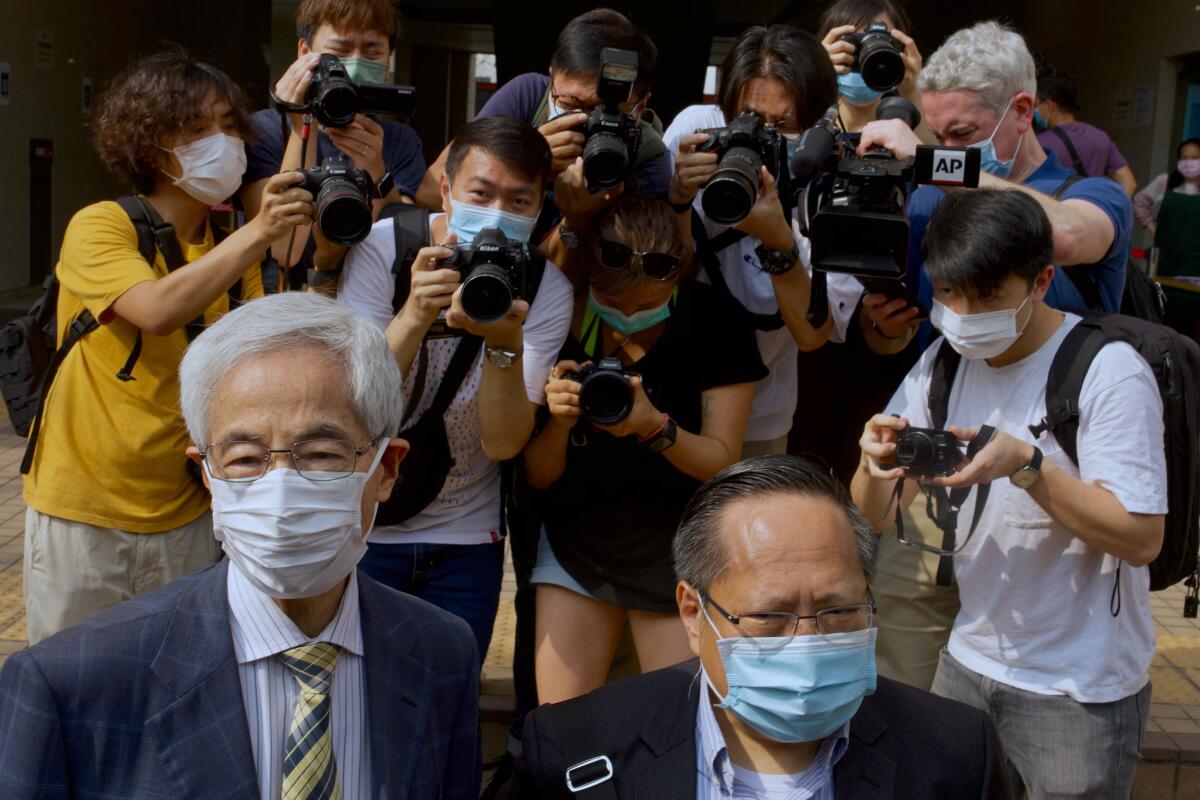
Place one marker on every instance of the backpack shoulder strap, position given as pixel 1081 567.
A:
pixel 941 381
pixel 82 325
pixel 533 275
pixel 588 769
pixel 1065 381
pixel 460 364
pixel 145 238
pixel 410 227
pixel 1076 162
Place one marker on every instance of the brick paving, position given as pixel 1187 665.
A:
pixel 1171 752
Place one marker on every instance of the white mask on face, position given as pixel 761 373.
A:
pixel 290 536
pixel 212 167
pixel 985 335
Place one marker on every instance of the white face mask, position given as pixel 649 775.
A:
pixel 212 167
pixel 292 537
pixel 985 335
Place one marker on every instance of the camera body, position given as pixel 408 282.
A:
pixel 877 57
pixel 929 452
pixel 341 199
pixel 333 99
pixel 605 393
pixel 743 147
pixel 612 136
pixel 493 270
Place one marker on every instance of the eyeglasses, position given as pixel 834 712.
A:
pixel 619 256
pixel 571 104
pixel 785 625
pixel 315 459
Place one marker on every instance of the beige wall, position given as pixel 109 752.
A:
pixel 1114 45
pixel 96 38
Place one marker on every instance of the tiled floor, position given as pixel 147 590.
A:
pixel 1173 736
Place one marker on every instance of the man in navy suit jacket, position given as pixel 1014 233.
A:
pixel 281 669
pixel 774 563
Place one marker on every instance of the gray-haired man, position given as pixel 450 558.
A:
pixel 254 677
pixel 774 566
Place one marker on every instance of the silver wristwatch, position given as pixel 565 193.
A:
pixel 499 357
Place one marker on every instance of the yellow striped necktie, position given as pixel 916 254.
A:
pixel 309 768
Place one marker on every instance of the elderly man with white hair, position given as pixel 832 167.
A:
pixel 979 90
pixel 281 671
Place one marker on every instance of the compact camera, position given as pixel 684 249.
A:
pixel 333 99
pixel 605 394
pixel 743 147
pixel 341 199
pixel 877 57
pixel 493 269
pixel 927 451
pixel 612 136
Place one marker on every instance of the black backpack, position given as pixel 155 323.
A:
pixel 424 470
pixel 1175 361
pixel 1142 297
pixel 29 354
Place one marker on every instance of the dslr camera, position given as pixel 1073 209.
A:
pixel 743 147
pixel 877 57
pixel 493 271
pixel 612 136
pixel 605 393
pixel 333 99
pixel 341 199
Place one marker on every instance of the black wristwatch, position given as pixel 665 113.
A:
pixel 568 237
pixel 777 262
pixel 385 185
pixel 664 437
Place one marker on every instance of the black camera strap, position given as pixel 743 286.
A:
pixel 1076 161
pixel 706 254
pixel 942 507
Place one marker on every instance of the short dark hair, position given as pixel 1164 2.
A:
pixel 1058 86
pixel 977 238
pixel 516 143
pixel 155 98
pixel 348 16
pixel 577 51
pixel 861 13
pixel 699 549
pixel 787 54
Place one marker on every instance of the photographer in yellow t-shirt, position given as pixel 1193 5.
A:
pixel 113 510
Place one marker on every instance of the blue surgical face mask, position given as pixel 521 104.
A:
pixel 988 160
pixel 854 89
pixel 364 70
pixel 798 690
pixel 629 324
pixel 1039 121
pixel 466 221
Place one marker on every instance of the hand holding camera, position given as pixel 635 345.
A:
pixel 745 148
pixel 285 204
pixel 342 198
pixel 562 392
pixel 565 136
pixel 578 205
pixel 693 168
pixel 362 140
pixel 987 460
pixel 766 220
pixel 433 285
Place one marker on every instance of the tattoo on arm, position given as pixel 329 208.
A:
pixel 708 408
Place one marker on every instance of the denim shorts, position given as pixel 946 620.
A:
pixel 548 570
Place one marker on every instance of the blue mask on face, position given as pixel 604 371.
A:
pixel 854 89
pixel 988 160
pixel 466 221
pixel 800 690
pixel 1040 121
pixel 627 325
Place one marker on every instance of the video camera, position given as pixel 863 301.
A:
pixel 333 99
pixel 877 57
pixel 743 147
pixel 493 270
pixel 612 136
pixel 605 393
pixel 341 199
pixel 853 208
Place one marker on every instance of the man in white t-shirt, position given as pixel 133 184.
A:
pixel 784 76
pixel 1039 642
pixel 451 552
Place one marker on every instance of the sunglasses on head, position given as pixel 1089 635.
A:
pixel 618 256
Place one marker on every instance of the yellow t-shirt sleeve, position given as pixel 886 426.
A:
pixel 252 285
pixel 100 259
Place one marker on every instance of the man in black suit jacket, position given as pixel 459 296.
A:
pixel 774 564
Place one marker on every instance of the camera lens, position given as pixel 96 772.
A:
pixel 606 397
pixel 336 103
pixel 731 191
pixel 880 62
pixel 913 449
pixel 487 296
pixel 343 214
pixel 605 161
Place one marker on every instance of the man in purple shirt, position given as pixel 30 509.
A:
pixel 1086 148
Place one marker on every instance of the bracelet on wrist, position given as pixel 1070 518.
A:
pixel 662 425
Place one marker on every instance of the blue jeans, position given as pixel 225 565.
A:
pixel 461 579
pixel 1057 747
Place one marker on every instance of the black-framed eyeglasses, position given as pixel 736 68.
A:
pixel 325 459
pixel 570 104
pixel 618 256
pixel 786 625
